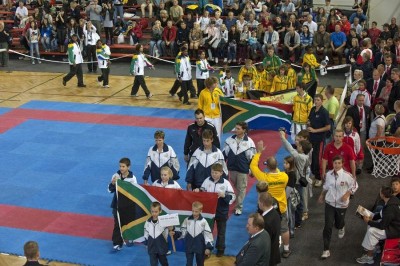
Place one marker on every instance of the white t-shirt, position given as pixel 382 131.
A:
pixel 378 121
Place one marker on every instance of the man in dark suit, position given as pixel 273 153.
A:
pixel 375 85
pixel 395 92
pixel 272 223
pixel 361 117
pixel 256 251
pixel 389 65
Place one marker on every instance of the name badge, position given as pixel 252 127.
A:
pixel 212 106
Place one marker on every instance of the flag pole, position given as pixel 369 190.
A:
pixel 173 242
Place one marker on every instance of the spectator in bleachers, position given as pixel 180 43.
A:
pixel 119 9
pixel 94 10
pixel 204 20
pixel 107 14
pixel 388 66
pixel 169 38
pixel 350 45
pixel 156 39
pixel 280 27
pixel 33 37
pixel 362 89
pixel 321 13
pixel 332 22
pixel 383 96
pixel 345 25
pixel 293 22
pixel 176 13
pixel 306 75
pixel 231 6
pixel 264 17
pixel 271 38
pixel 248 9
pixel 287 8
pixel 243 44
pixel 375 85
pixel 189 20
pixel 73 12
pixel 385 34
pixel 321 43
pixel 393 28
pixel 163 18
pixel 37 16
pixel 291 44
pixel 4 37
pixel 230 20
pixel 149 5
pixel 45 34
pixel 218 20
pixel 312 26
pixel 258 6
pixel 91 38
pixel 306 39
pixel 374 32
pixel 328 6
pixel 332 14
pixel 233 40
pixel 240 23
pixel 338 42
pixel 360 15
pixel 61 26
pixel 223 43
pixel 352 52
pixel 254 45
pixel 20 13
pixel 356 25
pixel 195 38
pixel 182 34
pixel 72 28
pixel 252 23
pixel 397 49
pixel 211 41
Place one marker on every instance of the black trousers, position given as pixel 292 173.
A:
pixel 91 53
pixel 185 87
pixel 116 236
pixel 332 215
pixel 155 258
pixel 105 72
pixel 296 51
pixel 221 230
pixel 199 259
pixel 75 70
pixel 178 84
pixel 139 81
pixel 315 167
pixel 200 85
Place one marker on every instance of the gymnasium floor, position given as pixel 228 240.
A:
pixel 49 136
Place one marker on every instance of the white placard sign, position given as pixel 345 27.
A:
pixel 168 220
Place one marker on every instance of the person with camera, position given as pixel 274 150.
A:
pixel 107 13
pixel 94 10
pixel 91 38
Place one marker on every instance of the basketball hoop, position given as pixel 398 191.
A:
pixel 385 152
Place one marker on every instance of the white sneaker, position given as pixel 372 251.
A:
pixel 229 61
pixel 106 86
pixel 234 60
pixel 225 60
pixel 341 233
pixel 216 60
pixel 365 259
pixel 318 183
pixel 33 62
pixel 325 254
pixel 238 212
pixel 117 247
pixel 149 96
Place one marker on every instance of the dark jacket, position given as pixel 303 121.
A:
pixel 390 219
pixel 111 189
pixel 353 112
pixel 33 263
pixel 394 96
pixel 194 140
pixel 272 223
pixel 370 86
pixel 256 252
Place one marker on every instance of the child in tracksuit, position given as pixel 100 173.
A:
pixel 126 175
pixel 203 158
pixel 202 71
pixel 103 58
pixel 228 84
pixel 198 236
pixel 226 196
pixel 139 61
pixel 156 237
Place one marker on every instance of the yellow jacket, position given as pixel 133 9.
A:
pixel 264 81
pixel 252 72
pixel 276 182
pixel 280 83
pixel 292 78
pixel 301 108
pixel 209 102
pixel 311 60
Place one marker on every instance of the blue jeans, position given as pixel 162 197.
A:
pixel 46 43
pixel 119 11
pixel 232 52
pixel 152 44
pixel 34 47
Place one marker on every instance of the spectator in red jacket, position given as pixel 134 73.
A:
pixel 135 32
pixel 168 39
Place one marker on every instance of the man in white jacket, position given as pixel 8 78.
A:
pixel 338 187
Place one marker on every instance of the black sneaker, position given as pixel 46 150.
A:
pixel 187 103
pixel 64 83
pixel 81 85
pixel 286 253
pixel 358 171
